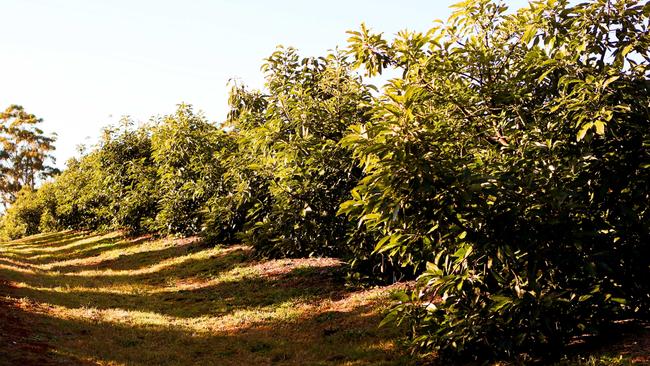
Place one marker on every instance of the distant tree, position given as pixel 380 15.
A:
pixel 24 152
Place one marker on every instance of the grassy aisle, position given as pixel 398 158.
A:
pixel 71 298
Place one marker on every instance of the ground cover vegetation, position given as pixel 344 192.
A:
pixel 506 168
pixel 82 298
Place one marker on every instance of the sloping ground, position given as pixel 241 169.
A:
pixel 73 298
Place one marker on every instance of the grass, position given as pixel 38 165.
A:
pixel 88 299
pixel 74 298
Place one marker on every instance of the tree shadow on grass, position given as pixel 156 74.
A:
pixel 109 251
pixel 75 248
pixel 92 255
pixel 139 259
pixel 19 345
pixel 17 264
pixel 320 338
pixel 57 239
pixel 199 297
pixel 216 282
pixel 190 304
pixel 84 251
pixel 159 275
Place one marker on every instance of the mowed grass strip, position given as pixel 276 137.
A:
pixel 85 298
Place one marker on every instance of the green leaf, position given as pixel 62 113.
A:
pixel 583 131
pixel 600 127
pixel 529 34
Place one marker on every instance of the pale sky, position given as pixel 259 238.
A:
pixel 82 64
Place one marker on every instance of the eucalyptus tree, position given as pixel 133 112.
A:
pixel 25 152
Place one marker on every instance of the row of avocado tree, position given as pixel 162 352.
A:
pixel 507 168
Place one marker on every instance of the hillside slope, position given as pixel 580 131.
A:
pixel 75 298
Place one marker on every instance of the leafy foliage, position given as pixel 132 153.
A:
pixel 128 177
pixel 185 146
pixel 26 214
pixel 291 138
pixel 508 165
pixel 81 200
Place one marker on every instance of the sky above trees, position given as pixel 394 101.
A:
pixel 81 65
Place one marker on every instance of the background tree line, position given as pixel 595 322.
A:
pixel 507 169
pixel 24 153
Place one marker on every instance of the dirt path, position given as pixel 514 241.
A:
pixel 70 298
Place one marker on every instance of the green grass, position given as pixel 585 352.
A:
pixel 78 298
pixel 74 298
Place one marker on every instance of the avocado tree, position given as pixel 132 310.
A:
pixel 509 166
pixel 128 177
pixel 288 137
pixel 185 147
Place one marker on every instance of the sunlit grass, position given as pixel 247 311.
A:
pixel 44 250
pixel 109 300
